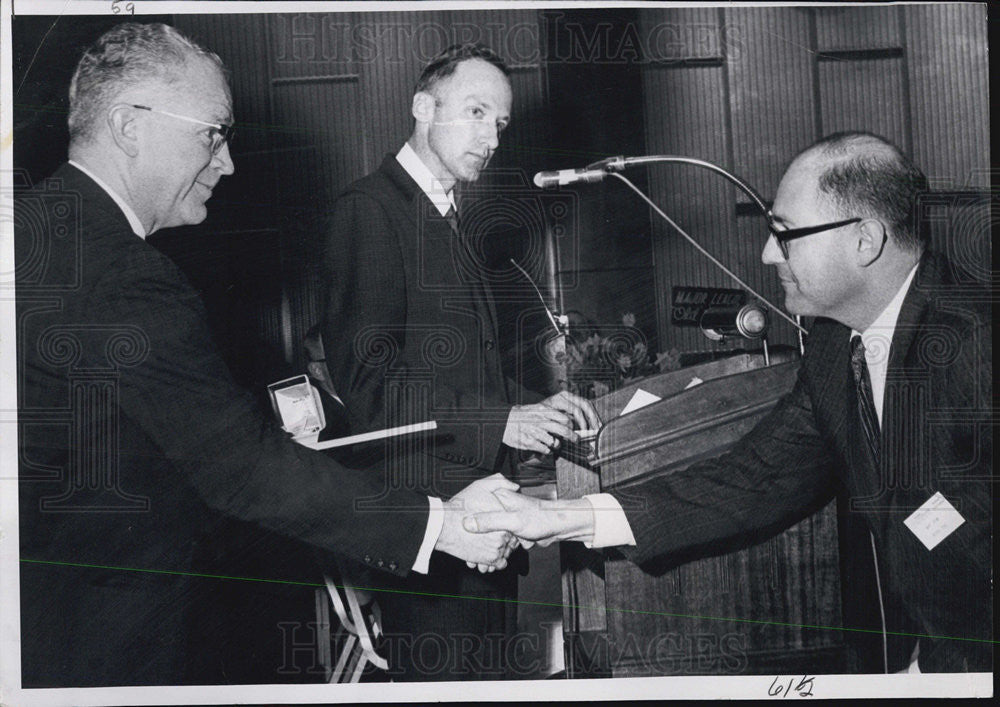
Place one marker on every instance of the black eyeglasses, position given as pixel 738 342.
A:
pixel 790 234
pixel 220 135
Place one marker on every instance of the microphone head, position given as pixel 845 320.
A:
pixel 540 180
pixel 751 321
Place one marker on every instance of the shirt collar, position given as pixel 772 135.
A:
pixel 430 185
pixel 884 325
pixel 133 220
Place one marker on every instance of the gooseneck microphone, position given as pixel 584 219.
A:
pixel 597 171
pixel 611 166
pixel 563 177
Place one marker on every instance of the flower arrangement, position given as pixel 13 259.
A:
pixel 596 362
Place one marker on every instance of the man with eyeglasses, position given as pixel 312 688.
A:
pixel 890 413
pixel 135 442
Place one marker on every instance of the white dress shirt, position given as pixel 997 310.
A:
pixel 429 184
pixel 877 339
pixel 133 220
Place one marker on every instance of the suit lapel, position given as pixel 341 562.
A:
pixel 911 314
pixel 480 290
pixel 479 285
pixel 906 399
pixel 483 288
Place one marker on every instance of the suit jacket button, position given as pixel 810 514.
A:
pixel 489 344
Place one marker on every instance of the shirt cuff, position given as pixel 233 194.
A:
pixel 611 527
pixel 435 521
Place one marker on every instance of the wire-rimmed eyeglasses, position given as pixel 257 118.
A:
pixel 220 135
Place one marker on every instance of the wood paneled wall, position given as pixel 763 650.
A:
pixel 320 98
pixel 766 82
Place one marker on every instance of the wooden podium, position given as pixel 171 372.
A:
pixel 764 609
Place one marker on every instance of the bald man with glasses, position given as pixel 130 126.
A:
pixel 891 414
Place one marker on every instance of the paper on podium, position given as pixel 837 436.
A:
pixel 312 443
pixel 640 399
pixel 583 450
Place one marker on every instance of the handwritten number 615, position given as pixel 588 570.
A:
pixel 803 687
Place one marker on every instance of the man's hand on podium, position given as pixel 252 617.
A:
pixel 541 426
pixel 487 551
pixel 534 520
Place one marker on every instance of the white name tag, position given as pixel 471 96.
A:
pixel 934 521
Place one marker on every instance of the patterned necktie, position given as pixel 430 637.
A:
pixel 866 401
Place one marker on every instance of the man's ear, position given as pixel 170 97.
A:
pixel 423 107
pixel 870 241
pixel 123 125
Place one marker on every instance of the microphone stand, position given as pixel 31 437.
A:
pixel 614 165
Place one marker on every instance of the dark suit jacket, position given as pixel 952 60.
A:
pixel 133 438
pixel 936 437
pixel 410 330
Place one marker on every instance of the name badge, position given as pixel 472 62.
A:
pixel 934 521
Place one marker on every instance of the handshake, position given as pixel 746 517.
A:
pixel 488 519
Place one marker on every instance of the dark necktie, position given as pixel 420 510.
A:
pixel 866 401
pixel 452 218
pixel 475 272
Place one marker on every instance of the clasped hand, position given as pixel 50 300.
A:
pixel 541 426
pixel 487 551
pixel 532 520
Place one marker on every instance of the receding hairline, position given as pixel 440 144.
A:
pixel 863 174
pixel 818 159
pixel 444 80
pixel 840 148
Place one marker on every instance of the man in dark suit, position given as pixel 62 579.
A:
pixel 891 411
pixel 135 440
pixel 410 333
